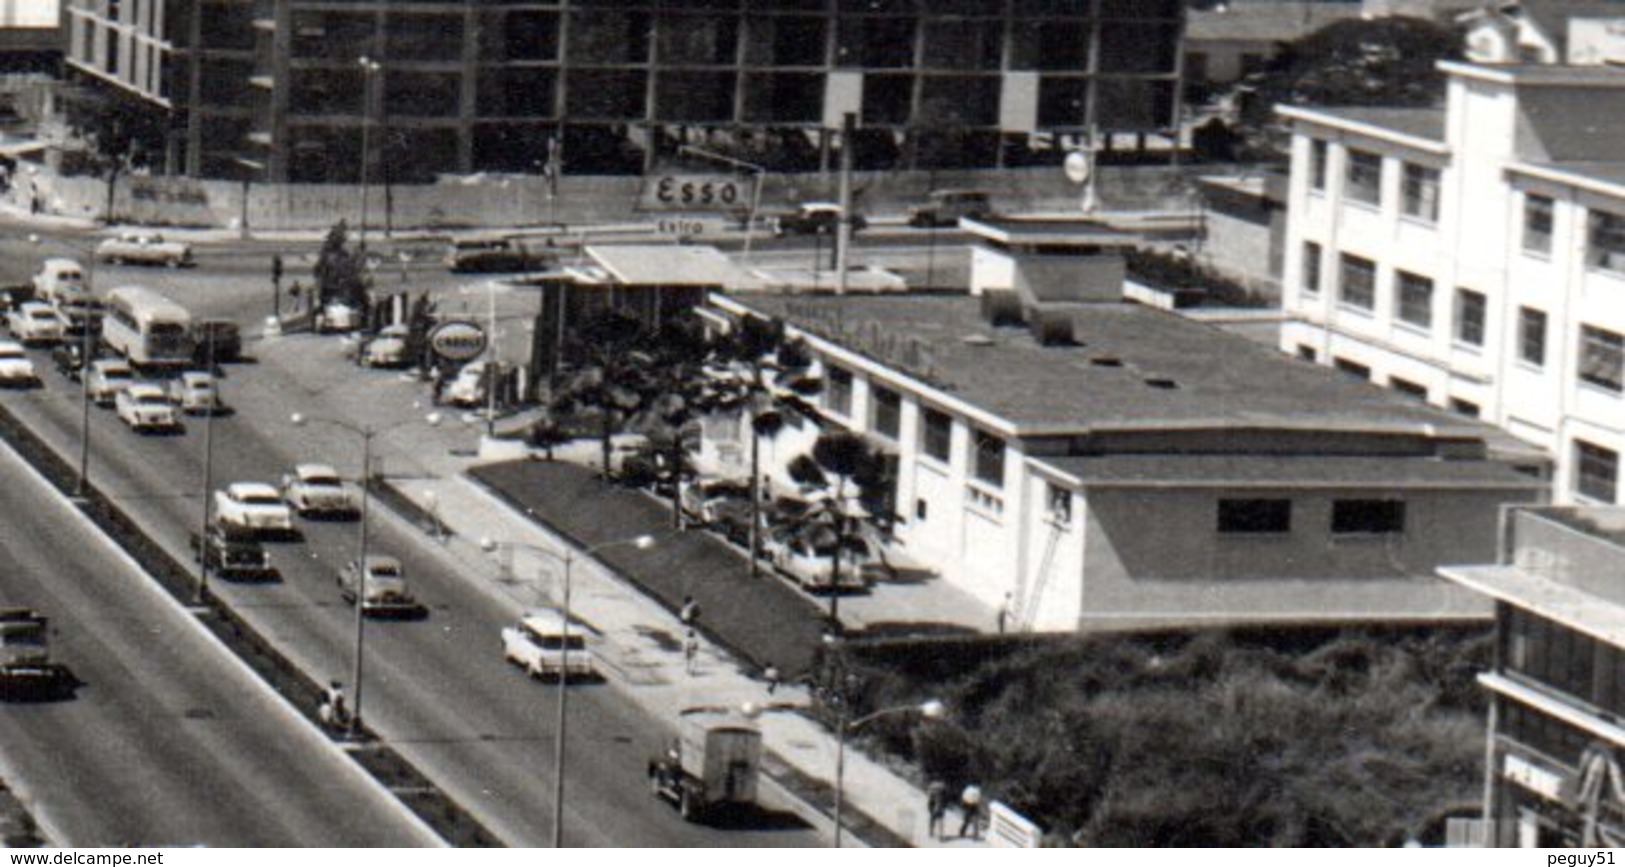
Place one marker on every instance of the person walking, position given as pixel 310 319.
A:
pixel 691 651
pixel 771 673
pixel 936 807
pixel 689 613
pixel 970 808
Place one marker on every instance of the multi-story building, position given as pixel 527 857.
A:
pixel 488 85
pixel 1094 463
pixel 1473 256
pixel 1557 688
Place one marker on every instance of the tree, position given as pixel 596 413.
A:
pixel 1386 62
pixel 677 398
pixel 610 377
pixel 340 275
pixel 839 482
pixel 758 372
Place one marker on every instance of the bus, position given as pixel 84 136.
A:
pixel 148 329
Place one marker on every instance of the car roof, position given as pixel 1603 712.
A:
pixel 550 621
pixel 111 365
pixel 144 389
pixel 60 263
pixel 11 346
pixel 383 561
pixel 36 305
pixel 305 471
pixel 820 206
pixel 397 330
pixel 196 375
pixel 245 488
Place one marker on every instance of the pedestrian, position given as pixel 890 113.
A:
pixel 771 673
pixel 936 806
pixel 970 808
pixel 691 651
pixel 293 295
pixel 689 613
pixel 1004 614
pixel 437 384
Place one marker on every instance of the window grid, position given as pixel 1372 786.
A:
pixel 1596 471
pixel 1362 177
pixel 936 433
pixel 1532 336
pixel 1605 241
pixel 1317 164
pixel 1241 516
pixel 838 390
pixel 1420 192
pixel 1470 307
pixel 1357 282
pixel 1415 299
pixel 1537 224
pixel 1602 358
pixel 988 459
pixel 888 412
pixel 1311 268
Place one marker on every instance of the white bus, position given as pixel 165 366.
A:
pixel 147 328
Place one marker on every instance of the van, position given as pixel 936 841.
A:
pixel 57 278
pixel 945 207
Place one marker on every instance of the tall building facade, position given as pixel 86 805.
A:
pixel 457 86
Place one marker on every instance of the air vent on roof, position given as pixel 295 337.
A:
pixel 976 340
pixel 1001 307
pixel 1162 383
pixel 1106 361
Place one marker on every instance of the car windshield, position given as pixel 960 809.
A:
pixel 116 373
pixel 557 642
pixel 11 352
pixel 260 498
pixel 323 481
pixel 152 400
pixel 42 314
pixel 386 570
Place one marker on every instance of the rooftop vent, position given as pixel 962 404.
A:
pixel 1106 361
pixel 1166 384
pixel 1001 307
pixel 976 340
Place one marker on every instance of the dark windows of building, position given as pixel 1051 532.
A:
pixel 1470 313
pixel 515 91
pixel 698 40
pixel 875 42
pixel 1138 46
pixel 519 34
pixel 936 433
pixel 886 409
pixel 952 101
pixel 987 464
pixel 421 94
pixel 1602 358
pixel 694 96
pixel 785 40
pixel 1605 241
pixel 1532 336
pixel 1415 299
pixel 511 147
pixel 962 44
pixel 225 81
pixel 605 94
pixel 1357 282
pixel 1134 103
pixel 1564 659
pixel 1368 517
pixel 921 509
pixel 1252 62
pixel 838 390
pixel 1362 177
pixel 887 99
pixel 1318 158
pixel 1408 388
pixel 1311 267
pixel 1537 223
pixel 1352 368
pixel 1062 101
pixel 228 25
pixel 318 91
pixel 1308 353
pixel 1257 515
pixel 1419 192
pixel 784 97
pixel 333 34
pixel 423 36
pixel 608 37
pixel 1525 725
pixel 1049 45
pixel 1464 407
pixel 1058 503
pixel 416 154
pixel 1596 472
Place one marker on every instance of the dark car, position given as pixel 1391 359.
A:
pixel 496 256
pixel 815 218
pixel 227 336
pixel 232 554
pixel 69 359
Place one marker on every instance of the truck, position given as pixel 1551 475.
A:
pixel 711 766
pixel 26 669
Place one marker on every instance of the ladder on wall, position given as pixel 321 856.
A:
pixel 1027 604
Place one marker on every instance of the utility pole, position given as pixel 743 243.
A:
pixel 843 230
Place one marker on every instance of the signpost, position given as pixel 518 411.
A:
pixel 457 341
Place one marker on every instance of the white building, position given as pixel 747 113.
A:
pixel 1473 256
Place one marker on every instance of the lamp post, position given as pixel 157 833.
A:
pixel 567 559
pixel 369 71
pixel 366 432
pixel 929 709
pixel 756 189
pixel 87 348
pixel 208 475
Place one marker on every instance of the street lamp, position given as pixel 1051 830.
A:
pixel 756 189
pixel 568 559
pixel 87 349
pixel 928 709
pixel 366 432
pixel 369 71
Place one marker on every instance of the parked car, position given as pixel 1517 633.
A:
pixel 316 490
pixel 387 348
pixel 253 506
pixel 35 323
pixel 336 317
pixel 15 367
pixel 144 248
pixel 144 407
pixel 945 207
pixel 227 337
pixel 194 391
pixel 539 641
pixel 811 569
pixel 467 388
pixel 232 554
pixel 108 376
pixel 703 496
pixel 815 218
pixel 381 586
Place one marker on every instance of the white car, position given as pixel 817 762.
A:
pixel 144 248
pixel 253 506
pixel 381 586
pixel 387 349
pixel 317 490
pixel 537 644
pixel 15 366
pixel 811 570
pixel 194 392
pixel 35 322
pixel 144 407
pixel 57 276
pixel 107 377
pixel 336 316
pixel 468 387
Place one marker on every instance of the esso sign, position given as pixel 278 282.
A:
pixel 457 341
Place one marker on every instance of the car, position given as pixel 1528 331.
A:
pixel 227 338
pixel 467 388
pixel 945 207
pixel 336 316
pixel 381 586
pixel 494 256
pixel 144 248
pixel 540 644
pixel 815 218
pixel 194 392
pixel 387 348
pixel 317 490
pixel 703 497
pixel 15 367
pixel 810 568
pixel 69 359
pixel 232 554
pixel 80 310
pixel 145 407
pixel 56 276
pixel 253 506
pixel 36 323
pixel 107 377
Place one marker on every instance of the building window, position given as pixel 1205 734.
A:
pixel 1420 192
pixel 1406 387
pixel 1596 471
pixel 1464 407
pixel 1357 282
pixel 1255 516
pixel 888 412
pixel 838 390
pixel 1415 300
pixel 988 461
pixel 1367 517
pixel 1602 358
pixel 1058 503
pixel 1362 177
pixel 1605 242
pixel 1307 353
pixel 1532 336
pixel 1537 224
pixel 936 433
pixel 1317 164
pixel 1470 317
pixel 1311 268
pixel 1352 368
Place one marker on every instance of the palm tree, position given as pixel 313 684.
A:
pixel 758 371
pixel 611 377
pixel 677 398
pixel 841 485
